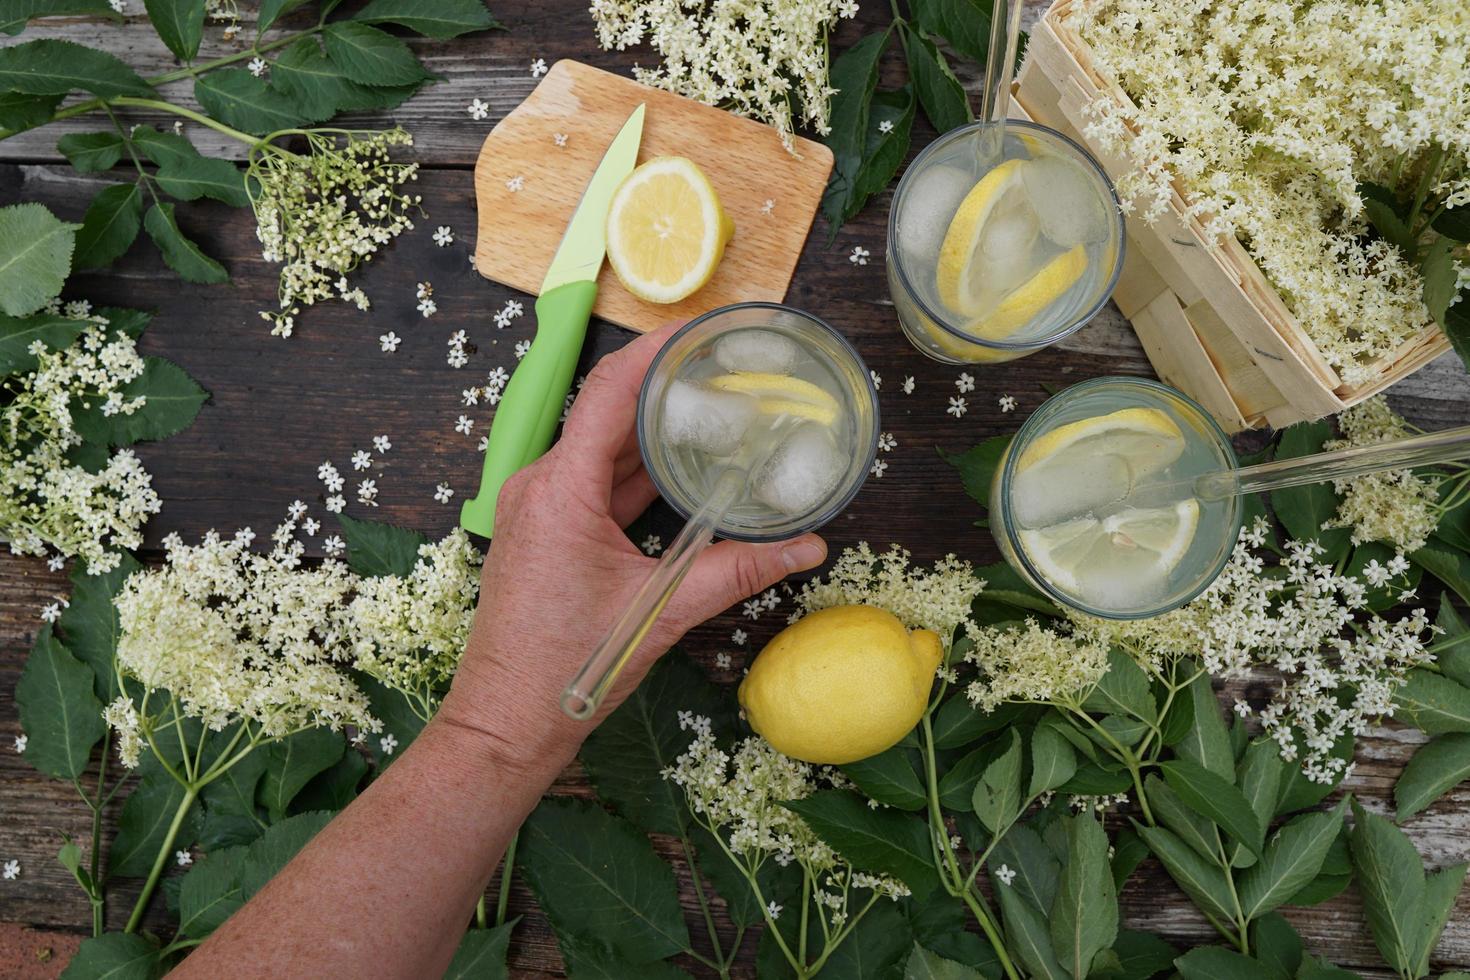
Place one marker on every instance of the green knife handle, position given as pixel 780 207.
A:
pixel 531 406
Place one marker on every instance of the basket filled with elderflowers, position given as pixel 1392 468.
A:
pixel 1296 178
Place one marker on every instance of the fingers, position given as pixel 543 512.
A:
pixel 604 414
pixel 731 571
pixel 632 497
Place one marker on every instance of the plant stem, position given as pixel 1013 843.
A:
pixel 709 921
pixel 480 918
pixel 179 110
pixel 507 865
pixel 190 792
pixel 806 896
pixel 97 890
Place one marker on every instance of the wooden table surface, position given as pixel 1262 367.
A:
pixel 281 407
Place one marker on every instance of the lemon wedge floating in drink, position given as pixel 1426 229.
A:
pixel 1129 553
pixel 666 230
pixel 1022 305
pixel 780 394
pixel 960 276
pixel 1091 464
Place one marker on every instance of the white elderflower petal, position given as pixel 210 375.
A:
pixel 443 235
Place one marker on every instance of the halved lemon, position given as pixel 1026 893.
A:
pixel 1146 438
pixel 666 230
pixel 1023 303
pixel 779 394
pixel 1133 546
pixel 959 276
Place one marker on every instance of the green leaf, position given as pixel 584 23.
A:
pixel 965 24
pixel 1449 567
pixel 977 467
pixel 440 19
pixel 1122 689
pixel 1391 879
pixel 400 720
pixel 732 885
pixel 1216 798
pixel 481 955
pixel 1140 956
pixel 162 147
pixel 305 75
pixel 271 10
pixel 884 152
pixel 143 824
pixel 1208 743
pixel 1217 963
pixel 1037 868
pixel 1382 213
pixel 1320 889
pixel 889 778
pixel 1084 915
pixel 1276 944
pixel 1293 858
pixel 854 75
pixel 1027 935
pixel 1440 891
pixel 1303 510
pixel 171 402
pixel 1433 703
pixel 1452 650
pixel 875 950
pixel 1437 267
pixel 1129 850
pixel 334 787
pixel 1298 792
pixel 597 878
pixel 1052 761
pixel 997 796
pixel 21 111
pixel 370 56
pixel 239 99
pixel 18 333
pixel 940 93
pixel 179 23
pixel 35 255
pixel 90 622
pixel 91 153
pixel 110 226
pixel 626 754
pixel 1094 779
pixel 1259 777
pixel 230 812
pixel 292 762
pixel 59 713
pixel 210 892
pixel 883 841
pixel 958 723
pixel 594 961
pixel 115 956
pixel 1195 830
pixel 50 67
pixel 375 549
pixel 925 965
pixel 1203 882
pixel 181 253
pixel 1435 768
pixel 191 179
pixel 276 847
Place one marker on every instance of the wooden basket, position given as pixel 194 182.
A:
pixel 1207 317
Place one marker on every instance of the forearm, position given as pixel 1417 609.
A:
pixel 388 887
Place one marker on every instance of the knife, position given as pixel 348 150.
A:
pixel 531 405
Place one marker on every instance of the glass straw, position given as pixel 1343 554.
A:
pixel 1341 464
pixel 995 98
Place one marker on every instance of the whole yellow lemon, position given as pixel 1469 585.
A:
pixel 840 684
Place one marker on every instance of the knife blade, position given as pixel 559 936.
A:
pixel 531 405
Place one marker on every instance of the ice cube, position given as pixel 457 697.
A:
pixel 761 351
pixel 1120 579
pixel 1068 201
pixel 1080 485
pixel 1008 245
pixel 696 417
pixel 801 472
pixel 928 206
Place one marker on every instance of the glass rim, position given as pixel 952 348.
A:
pixel 819 517
pixel 1027 430
pixel 942 321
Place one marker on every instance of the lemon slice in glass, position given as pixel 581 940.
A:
pixel 1091 464
pixel 779 394
pixel 1133 550
pixel 960 276
pixel 666 230
pixel 1023 303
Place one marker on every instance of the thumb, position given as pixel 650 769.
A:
pixel 731 571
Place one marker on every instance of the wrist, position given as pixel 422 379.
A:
pixel 496 735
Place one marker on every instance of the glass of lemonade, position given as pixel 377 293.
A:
pixel 767 391
pixel 1094 501
pixel 994 254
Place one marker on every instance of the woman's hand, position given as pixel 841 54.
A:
pixel 560 571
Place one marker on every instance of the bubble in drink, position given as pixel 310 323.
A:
pixel 696 417
pixel 1065 201
pixel 760 351
pixel 801 471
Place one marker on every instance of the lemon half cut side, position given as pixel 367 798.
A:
pixel 666 230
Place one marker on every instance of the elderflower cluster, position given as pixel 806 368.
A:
pixel 1267 118
pixel 49 497
pixel 766 59
pixel 1032 662
pixel 1396 506
pixel 937 600
pixel 1337 662
pixel 324 211
pixel 738 799
pixel 410 630
pixel 237 636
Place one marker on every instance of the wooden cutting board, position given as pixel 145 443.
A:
pixel 744 160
